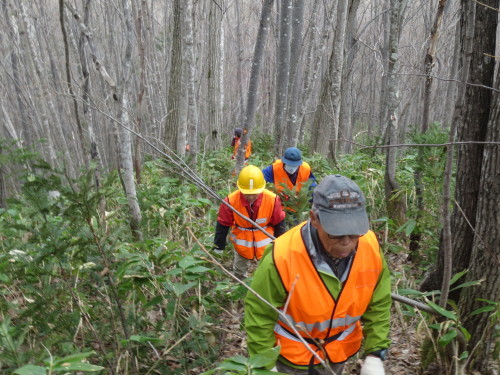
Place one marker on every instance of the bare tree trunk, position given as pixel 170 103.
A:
pixel 39 96
pixel 14 60
pixel 282 77
pixel 429 63
pixel 326 120
pixel 174 88
pixel 253 85
pixel 139 30
pixel 70 86
pixel 125 142
pixel 451 90
pixel 395 203
pixel 239 43
pixel 295 81
pixel 485 255
pixel 193 122
pixel 311 72
pixel 338 66
pixel 346 108
pixel 428 68
pixel 213 73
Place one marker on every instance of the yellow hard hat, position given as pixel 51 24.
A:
pixel 251 180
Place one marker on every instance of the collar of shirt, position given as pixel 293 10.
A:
pixel 251 208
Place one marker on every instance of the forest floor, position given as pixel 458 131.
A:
pixel 404 352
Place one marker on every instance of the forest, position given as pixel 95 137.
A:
pixel 116 123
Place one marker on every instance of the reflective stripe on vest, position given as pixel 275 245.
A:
pixel 248 241
pixel 279 330
pixel 321 326
pixel 281 178
pixel 312 307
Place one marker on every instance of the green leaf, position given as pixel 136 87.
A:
pixel 468 283
pixel 464 355
pixel 189 261
pixel 155 301
pixel 450 335
pixel 198 269
pixel 266 358
pixel 238 359
pixel 72 358
pixel 442 311
pixel 179 288
pixel 465 332
pixel 483 309
pixel 229 365
pixel 457 276
pixel 30 370
pixel 80 366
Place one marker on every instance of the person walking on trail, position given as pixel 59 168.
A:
pixel 260 205
pixel 330 279
pixel 236 141
pixel 290 171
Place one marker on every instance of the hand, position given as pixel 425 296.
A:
pixel 274 369
pixel 372 366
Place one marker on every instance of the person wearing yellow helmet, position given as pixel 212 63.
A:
pixel 255 202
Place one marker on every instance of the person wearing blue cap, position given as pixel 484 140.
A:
pixel 289 172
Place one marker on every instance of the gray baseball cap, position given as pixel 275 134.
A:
pixel 341 206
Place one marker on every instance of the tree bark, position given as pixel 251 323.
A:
pixel 485 254
pixel 395 204
pixel 174 87
pixel 253 85
pixel 295 73
pixel 282 77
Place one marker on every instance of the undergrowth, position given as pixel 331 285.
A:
pixel 77 289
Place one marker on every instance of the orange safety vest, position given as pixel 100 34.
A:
pixel 249 241
pixel 281 177
pixel 335 323
pixel 248 150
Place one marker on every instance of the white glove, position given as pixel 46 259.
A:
pixel 372 366
pixel 274 369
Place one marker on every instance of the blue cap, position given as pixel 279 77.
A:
pixel 292 157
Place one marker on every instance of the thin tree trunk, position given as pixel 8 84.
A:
pixel 239 81
pixel 15 63
pixel 282 76
pixel 395 204
pixel 253 86
pixel 193 122
pixel 125 139
pixel 213 72
pixel 346 114
pixel 295 81
pixel 429 64
pixel 174 88
pixel 338 66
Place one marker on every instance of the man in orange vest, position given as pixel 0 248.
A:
pixel 326 276
pixel 290 171
pixel 261 206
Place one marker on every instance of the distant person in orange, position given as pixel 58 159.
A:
pixel 236 141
